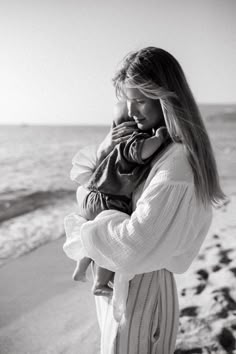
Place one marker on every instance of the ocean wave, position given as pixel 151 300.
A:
pixel 13 205
pixel 24 233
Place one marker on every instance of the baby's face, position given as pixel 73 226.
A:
pixel 121 112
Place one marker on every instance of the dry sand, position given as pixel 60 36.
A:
pixel 44 312
pixel 207 291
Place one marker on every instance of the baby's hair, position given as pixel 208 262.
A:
pixel 158 75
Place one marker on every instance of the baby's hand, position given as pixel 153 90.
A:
pixel 116 135
pixel 123 131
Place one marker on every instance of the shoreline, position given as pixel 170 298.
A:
pixel 12 207
pixel 26 232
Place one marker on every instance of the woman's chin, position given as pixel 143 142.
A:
pixel 141 126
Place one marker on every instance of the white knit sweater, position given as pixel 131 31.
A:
pixel 166 229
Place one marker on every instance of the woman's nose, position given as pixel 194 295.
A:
pixel 132 110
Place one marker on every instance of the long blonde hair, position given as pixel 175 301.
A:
pixel 158 75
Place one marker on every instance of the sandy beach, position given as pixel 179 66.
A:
pixel 69 70
pixel 207 291
pixel 44 311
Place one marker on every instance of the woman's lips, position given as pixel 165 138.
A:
pixel 138 120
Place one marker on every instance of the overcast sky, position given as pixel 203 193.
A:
pixel 57 57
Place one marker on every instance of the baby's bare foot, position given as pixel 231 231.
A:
pixel 103 290
pixel 78 276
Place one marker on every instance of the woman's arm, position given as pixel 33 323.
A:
pixel 165 223
pixel 123 243
pixel 143 241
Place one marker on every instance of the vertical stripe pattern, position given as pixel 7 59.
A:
pixel 150 323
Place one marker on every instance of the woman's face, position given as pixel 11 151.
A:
pixel 146 112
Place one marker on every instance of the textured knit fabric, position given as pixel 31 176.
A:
pixel 150 323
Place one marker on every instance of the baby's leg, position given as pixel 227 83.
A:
pixel 102 278
pixel 80 270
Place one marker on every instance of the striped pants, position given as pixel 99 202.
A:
pixel 150 323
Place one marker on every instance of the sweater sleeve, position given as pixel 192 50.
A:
pixel 83 164
pixel 160 228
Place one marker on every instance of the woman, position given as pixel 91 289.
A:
pixel 172 211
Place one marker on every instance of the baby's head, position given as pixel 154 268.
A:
pixel 121 113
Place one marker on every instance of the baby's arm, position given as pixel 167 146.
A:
pixel 152 144
pixel 117 134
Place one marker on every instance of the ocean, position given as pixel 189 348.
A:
pixel 38 158
pixel 35 189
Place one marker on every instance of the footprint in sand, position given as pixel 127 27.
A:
pixel 191 311
pixel 203 278
pixel 224 259
pixel 223 298
pixel 189 351
pixel 203 274
pixel 233 270
pixel 227 340
pixel 216 268
pixel 202 282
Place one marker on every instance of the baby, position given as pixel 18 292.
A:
pixel 113 182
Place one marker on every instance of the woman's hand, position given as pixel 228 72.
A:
pixel 116 135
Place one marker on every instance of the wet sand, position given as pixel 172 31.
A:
pixel 42 310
